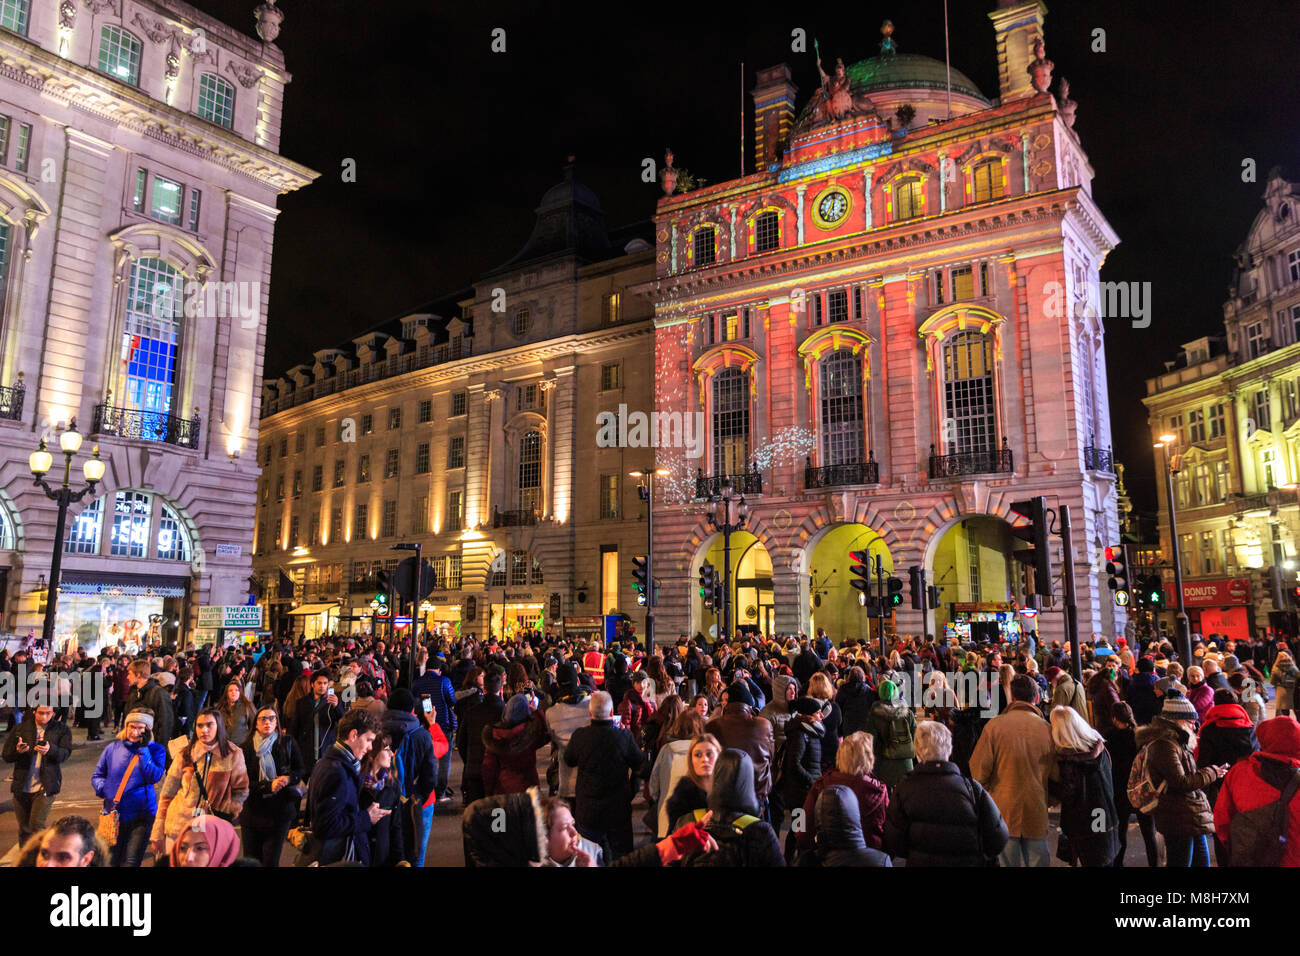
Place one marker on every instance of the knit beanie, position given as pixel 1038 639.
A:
pixel 887 691
pixel 141 715
pixel 516 711
pixel 1178 708
pixel 738 693
pixel 807 706
pixel 402 699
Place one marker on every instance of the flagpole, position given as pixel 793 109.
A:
pixel 947 58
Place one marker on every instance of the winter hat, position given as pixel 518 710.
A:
pixel 566 677
pixel 738 693
pixel 516 711
pixel 887 691
pixel 1168 685
pixel 402 699
pixel 1178 708
pixel 806 706
pixel 1231 664
pixel 1052 673
pixel 141 715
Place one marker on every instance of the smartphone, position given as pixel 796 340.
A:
pixel 427 703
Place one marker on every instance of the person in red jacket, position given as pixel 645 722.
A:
pixel 636 709
pixel 1259 780
pixel 510 747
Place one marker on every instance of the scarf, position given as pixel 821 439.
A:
pixel 222 840
pixel 353 762
pixel 266 762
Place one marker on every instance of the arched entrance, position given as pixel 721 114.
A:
pixel 834 603
pixel 981 585
pixel 753 602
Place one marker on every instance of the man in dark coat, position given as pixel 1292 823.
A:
pixel 147 694
pixel 855 699
pixel 469 736
pixel 413 755
pixel 604 753
pixel 203 677
pixel 333 796
pixel 37 748
pixel 273 798
pixel 315 719
pixel 805 665
pixel 1142 692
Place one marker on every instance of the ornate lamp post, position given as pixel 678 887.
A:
pixel 1183 631
pixel 92 468
pixel 727 526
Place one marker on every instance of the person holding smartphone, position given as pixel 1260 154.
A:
pixel 316 719
pixel 37 748
pixel 129 767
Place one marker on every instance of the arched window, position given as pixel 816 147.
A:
pixel 216 100
pixel 730 422
pixel 14 15
pixel 83 536
pixel 704 246
pixel 842 421
pixel 173 539
pixel 767 231
pixel 8 540
pixel 131 513
pixel 969 404
pixel 987 180
pixel 135 514
pixel 149 345
pixel 909 199
pixel 530 472
pixel 119 54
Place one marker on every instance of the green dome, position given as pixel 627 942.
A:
pixel 907 71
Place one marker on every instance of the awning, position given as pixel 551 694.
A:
pixel 313 609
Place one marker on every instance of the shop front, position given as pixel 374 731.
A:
pixel 440 616
pixel 127 611
pixel 316 620
pixel 1218 606
pixel 984 621
pixel 518 611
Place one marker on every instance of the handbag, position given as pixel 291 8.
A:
pixel 110 822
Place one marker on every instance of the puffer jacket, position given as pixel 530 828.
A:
pixel 138 798
pixel 739 728
pixel 937 817
pixel 873 801
pixel 839 839
pixel 1082 781
pixel 1202 697
pixel 1104 695
pixel 777 711
pixel 1183 809
pixel 1227 736
pixel 803 758
pixel 1260 779
pixel 510 755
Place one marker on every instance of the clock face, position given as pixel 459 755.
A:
pixel 833 207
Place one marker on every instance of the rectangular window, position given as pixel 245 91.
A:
pixel 818 314
pixel 420 515
pixel 455 510
pixel 985 288
pixel 453 572
pixel 1208 564
pixel 988 180
pixel 426 411
pixel 297 484
pixel 704 251
pixel 973 560
pixel 1201 486
pixel 1188 555
pixel 1262 411
pixel 394 419
pixel 300 442
pixel 165 203
pixel 837 305
pixel 216 100
pixel 1196 425
pixel 360 526
pixel 611 306
pixel 730 327
pixel 1291 397
pixel 4 139
pixel 963 284
pixel 320 438
pixel 609 377
pixel 744 323
pixel 518 569
pixel 422 458
pixel 706 321
pixel 456 452
pixel 14 15
pixel 141 179
pixel 609 496
pixel 293 531
pixel 284 446
pixel 130 535
pixel 857 301
pixel 279 488
pixel 1256 339
pixel 609 577
pixel 909 200
pixel 1293 264
pixel 363 468
pixel 1295 323
pixel 259 545
pixel 767 232
pixel 1217 429
pixel 266 456
pixel 459 403
pixel 266 492
pixel 389 526
pixel 391 463
pixel 196 203
pixel 367 424
pixel 340 471
pixel 336 525
pixel 1221 485
pixel 317 477
pixel 313 537
pixel 938 287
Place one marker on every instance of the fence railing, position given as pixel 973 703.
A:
pixel 146 426
pixel 987 461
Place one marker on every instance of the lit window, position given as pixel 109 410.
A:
pixel 391 464
pixel 149 343
pixel 837 305
pixel 530 472
pixel 963 284
pixel 842 425
pixel 141 180
pixel 610 309
pixel 767 232
pixel 7 538
pixel 83 536
pixel 518 568
pixel 165 204
pixel 216 100
pixel 968 394
pixel 130 534
pixel 909 201
pixel 609 496
pixel 173 539
pixel 340 471
pixel 704 251
pixel 14 15
pixel 730 327
pixel 119 54
pixel 426 411
pixel 389 526
pixel 609 377
pixel 363 468
pixel 455 510
pixel 988 182
pixel 730 422
pixel 456 452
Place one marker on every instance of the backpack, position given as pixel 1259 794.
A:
pixel 1142 792
pixel 400 754
pixel 1258 837
pixel 898 745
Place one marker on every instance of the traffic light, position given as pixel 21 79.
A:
pixel 717 594
pixel 933 592
pixel 1153 591
pixel 639 578
pixel 915 576
pixel 1036 557
pixel 708 586
pixel 893 592
pixel 860 570
pixel 1117 568
pixel 385 582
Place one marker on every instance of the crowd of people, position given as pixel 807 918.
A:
pixel 751 752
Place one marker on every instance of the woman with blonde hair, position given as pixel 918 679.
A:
pixel 1081 779
pixel 672 765
pixel 691 794
pixel 822 690
pixel 854 762
pixel 1283 677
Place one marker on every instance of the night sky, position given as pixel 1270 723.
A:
pixel 455 144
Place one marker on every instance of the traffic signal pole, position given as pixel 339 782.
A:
pixel 1071 610
pixel 880 605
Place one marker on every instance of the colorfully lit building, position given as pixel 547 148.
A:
pixel 139 175
pixel 890 331
pixel 470 426
pixel 1232 405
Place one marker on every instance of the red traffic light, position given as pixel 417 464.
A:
pixel 1110 554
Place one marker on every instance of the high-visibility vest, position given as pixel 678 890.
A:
pixel 594 664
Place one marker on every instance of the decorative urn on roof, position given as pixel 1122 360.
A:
pixel 669 175
pixel 1040 70
pixel 269 17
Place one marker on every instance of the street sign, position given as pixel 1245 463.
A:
pixel 229 550
pixel 401 620
pixel 1121 598
pixel 242 617
pixel 404 579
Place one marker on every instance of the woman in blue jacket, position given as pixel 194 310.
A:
pixel 139 800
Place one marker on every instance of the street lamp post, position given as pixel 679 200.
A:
pixel 647 492
pixel 40 462
pixel 727 527
pixel 1182 628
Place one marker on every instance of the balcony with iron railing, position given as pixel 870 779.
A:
pixel 748 482
pixel 1098 459
pixel 517 518
pixel 11 400
pixel 834 476
pixel 146 426
pixel 984 462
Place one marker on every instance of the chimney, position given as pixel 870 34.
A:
pixel 774 95
pixel 1015 26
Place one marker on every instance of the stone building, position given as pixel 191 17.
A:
pixel 1232 404
pixel 891 332
pixel 471 426
pixel 139 175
